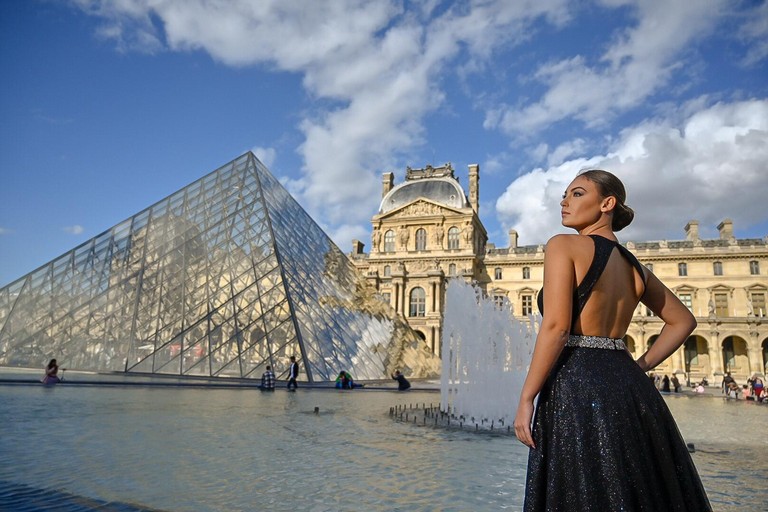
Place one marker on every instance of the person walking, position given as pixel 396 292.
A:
pixel 293 373
pixel 588 386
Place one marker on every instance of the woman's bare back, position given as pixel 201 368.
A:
pixel 615 295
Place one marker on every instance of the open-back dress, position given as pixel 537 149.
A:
pixel 605 439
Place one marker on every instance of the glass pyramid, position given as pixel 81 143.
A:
pixel 220 279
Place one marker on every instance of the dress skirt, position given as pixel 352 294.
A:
pixel 606 441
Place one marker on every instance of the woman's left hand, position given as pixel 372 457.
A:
pixel 522 423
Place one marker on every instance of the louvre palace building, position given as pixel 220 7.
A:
pixel 427 231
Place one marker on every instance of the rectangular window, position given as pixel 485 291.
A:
pixel 717 268
pixel 758 304
pixel 386 298
pixel 527 304
pixel 754 268
pixel 497 273
pixel 526 272
pixel 682 269
pixel 685 298
pixel 721 304
pixel 498 301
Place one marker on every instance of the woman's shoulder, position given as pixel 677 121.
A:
pixel 567 242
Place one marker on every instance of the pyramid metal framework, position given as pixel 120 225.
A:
pixel 220 279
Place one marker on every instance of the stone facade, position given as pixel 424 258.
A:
pixel 427 231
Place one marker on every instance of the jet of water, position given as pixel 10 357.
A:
pixel 486 353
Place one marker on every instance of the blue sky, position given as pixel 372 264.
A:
pixel 107 107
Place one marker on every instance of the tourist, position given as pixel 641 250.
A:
pixel 344 380
pixel 402 382
pixel 665 384
pixel 293 373
pixel 52 373
pixel 758 387
pixel 675 383
pixel 727 380
pixel 733 390
pixel 589 389
pixel 268 380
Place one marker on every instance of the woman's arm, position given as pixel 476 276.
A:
pixel 679 322
pixel 559 282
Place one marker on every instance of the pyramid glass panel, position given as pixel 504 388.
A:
pixel 220 279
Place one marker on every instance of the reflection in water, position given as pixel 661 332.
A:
pixel 219 450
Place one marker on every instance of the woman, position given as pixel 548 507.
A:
pixel 51 373
pixel 603 438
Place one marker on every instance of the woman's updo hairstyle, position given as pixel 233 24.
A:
pixel 610 185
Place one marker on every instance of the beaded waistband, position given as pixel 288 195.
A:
pixel 580 340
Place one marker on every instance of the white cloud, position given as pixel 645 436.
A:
pixel 74 230
pixel 755 32
pixel 267 156
pixel 640 61
pixel 5 231
pixel 565 150
pixel 710 167
pixel 381 65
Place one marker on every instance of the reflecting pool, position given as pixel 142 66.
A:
pixel 183 449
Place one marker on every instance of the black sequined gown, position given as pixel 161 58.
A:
pixel 605 439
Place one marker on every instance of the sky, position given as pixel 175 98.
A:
pixel 106 107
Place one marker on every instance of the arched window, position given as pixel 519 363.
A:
pixel 387 271
pixel 418 302
pixel 497 273
pixel 526 272
pixel 452 269
pixel 717 268
pixel 389 241
pixel 421 239
pixel 754 268
pixel 682 269
pixel 453 238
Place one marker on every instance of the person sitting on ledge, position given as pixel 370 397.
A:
pixel 345 381
pixel 52 373
pixel 268 380
pixel 402 382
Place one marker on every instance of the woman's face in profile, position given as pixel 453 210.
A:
pixel 580 206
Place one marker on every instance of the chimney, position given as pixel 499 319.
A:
pixel 692 230
pixel 474 187
pixel 512 238
pixel 387 182
pixel 357 247
pixel 726 229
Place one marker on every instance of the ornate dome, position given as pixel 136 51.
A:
pixel 445 191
